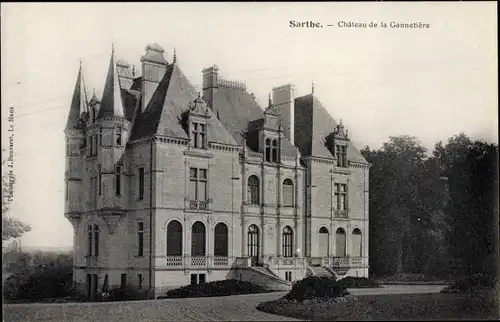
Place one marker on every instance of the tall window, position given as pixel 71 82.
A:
pixel 123 281
pixel 100 136
pixel 341 155
pixel 198 239
pixel 94 114
pixel 341 196
pixel 93 240
pixel 271 150
pixel 139 278
pixel 119 136
pixel 253 241
pixel 174 238
pixel 141 183
pixel 268 150
pixel 198 184
pixel 118 180
pixel 340 243
pixel 220 240
pixel 287 242
pixel 275 151
pixel 140 238
pixel 198 135
pixel 288 193
pixel 253 190
pixel 356 243
pixel 99 180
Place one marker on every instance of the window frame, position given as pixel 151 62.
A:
pixel 140 238
pixel 253 190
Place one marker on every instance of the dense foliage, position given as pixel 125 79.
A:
pixel 433 215
pixel 127 293
pixel 313 287
pixel 216 288
pixel 358 282
pixel 39 276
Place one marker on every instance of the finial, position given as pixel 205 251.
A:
pixel 312 90
pixel 80 62
pixel 341 122
pixel 270 101
pixel 113 47
pixel 175 55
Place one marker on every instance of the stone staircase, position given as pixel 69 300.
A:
pixel 264 270
pixel 321 271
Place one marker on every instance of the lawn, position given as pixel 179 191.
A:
pixel 427 306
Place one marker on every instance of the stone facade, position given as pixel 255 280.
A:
pixel 165 187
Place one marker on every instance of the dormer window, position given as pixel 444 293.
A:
pixel 198 135
pixel 271 150
pixel 341 155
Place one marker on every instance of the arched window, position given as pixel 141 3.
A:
pixel 220 240
pixel 287 242
pixel 324 242
pixel 356 243
pixel 275 151
pixel 253 241
pixel 340 240
pixel 174 238
pixel 253 190
pixel 198 239
pixel 288 200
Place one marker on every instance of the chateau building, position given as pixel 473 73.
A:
pixel 167 186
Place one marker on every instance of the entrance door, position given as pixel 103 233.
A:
pixel 324 245
pixel 253 243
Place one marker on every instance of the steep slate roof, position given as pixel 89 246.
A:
pixel 112 101
pixel 78 103
pixel 313 123
pixel 236 108
pixel 163 113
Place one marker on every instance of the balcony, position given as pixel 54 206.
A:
pixel 341 262
pixel 198 204
pixel 91 261
pixel 193 262
pixel 340 214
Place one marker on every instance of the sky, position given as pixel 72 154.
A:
pixel 429 83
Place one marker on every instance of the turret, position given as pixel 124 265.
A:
pixel 75 143
pixel 108 136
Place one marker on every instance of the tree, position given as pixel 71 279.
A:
pixel 11 227
pixel 402 198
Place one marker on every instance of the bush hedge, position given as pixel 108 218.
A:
pixel 472 283
pixel 127 293
pixel 316 287
pixel 358 282
pixel 216 288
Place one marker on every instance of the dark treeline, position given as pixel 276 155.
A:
pixel 433 215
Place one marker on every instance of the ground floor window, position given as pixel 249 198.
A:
pixel 288 276
pixel 198 278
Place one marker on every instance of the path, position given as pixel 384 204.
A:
pixel 229 308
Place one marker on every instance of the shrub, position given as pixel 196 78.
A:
pixel 216 288
pixel 127 293
pixel 358 282
pixel 472 283
pixel 49 276
pixel 316 287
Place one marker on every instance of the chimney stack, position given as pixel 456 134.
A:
pixel 284 106
pixel 210 84
pixel 154 67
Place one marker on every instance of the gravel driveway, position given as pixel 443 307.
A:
pixel 229 308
